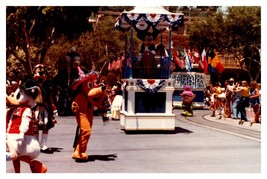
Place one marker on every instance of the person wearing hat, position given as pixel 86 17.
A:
pixel 45 109
pixel 147 56
pixel 187 101
pixel 87 96
pixel 20 126
pixel 229 91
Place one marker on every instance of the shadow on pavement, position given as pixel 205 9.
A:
pixel 182 130
pixel 51 150
pixel 92 158
pixel 175 131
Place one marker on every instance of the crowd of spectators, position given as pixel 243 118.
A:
pixel 234 100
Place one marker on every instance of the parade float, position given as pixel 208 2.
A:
pixel 196 80
pixel 148 84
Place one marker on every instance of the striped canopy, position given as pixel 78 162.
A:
pixel 144 19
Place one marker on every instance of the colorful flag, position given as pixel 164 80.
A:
pixel 204 62
pixel 210 55
pixel 196 56
pixel 216 62
pixel 187 58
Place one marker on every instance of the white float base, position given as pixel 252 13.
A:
pixel 147 121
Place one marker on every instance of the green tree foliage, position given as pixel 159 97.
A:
pixel 31 30
pixel 237 32
pixel 98 47
pixel 208 31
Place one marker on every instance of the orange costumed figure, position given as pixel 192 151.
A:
pixel 87 96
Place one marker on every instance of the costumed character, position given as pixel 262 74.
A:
pixel 45 109
pixel 72 57
pixel 117 102
pixel 20 127
pixel 87 96
pixel 187 101
pixel 147 56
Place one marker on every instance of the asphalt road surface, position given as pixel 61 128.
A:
pixel 191 148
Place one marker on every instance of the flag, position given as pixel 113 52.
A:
pixel 204 62
pixel 216 62
pixel 196 56
pixel 210 55
pixel 188 66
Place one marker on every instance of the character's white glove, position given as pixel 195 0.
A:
pixel 153 52
pixel 20 138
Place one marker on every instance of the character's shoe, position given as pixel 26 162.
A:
pixel 37 167
pixel 46 150
pixel 184 113
pixel 189 115
pixel 80 156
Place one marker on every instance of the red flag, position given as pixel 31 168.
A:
pixel 220 67
pixel 204 61
pixel 196 56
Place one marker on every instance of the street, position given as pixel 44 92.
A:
pixel 190 149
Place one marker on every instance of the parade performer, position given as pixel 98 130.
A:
pixel 20 127
pixel 187 101
pixel 147 56
pixel 117 102
pixel 45 109
pixel 87 96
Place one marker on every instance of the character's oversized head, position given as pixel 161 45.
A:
pixel 187 95
pixel 187 91
pixel 39 72
pixel 85 81
pixel 96 94
pixel 26 94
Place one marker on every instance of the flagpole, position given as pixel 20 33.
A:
pixel 125 55
pixel 131 51
pixel 170 51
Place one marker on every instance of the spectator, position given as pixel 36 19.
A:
pixel 228 99
pixel 255 101
pixel 117 102
pixel 207 95
pixel 219 102
pixel 213 100
pixel 230 94
pixel 259 87
pixel 244 101
pixel 236 99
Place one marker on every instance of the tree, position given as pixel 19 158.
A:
pixel 244 37
pixel 31 30
pixel 237 32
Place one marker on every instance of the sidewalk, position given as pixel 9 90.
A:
pixel 233 122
